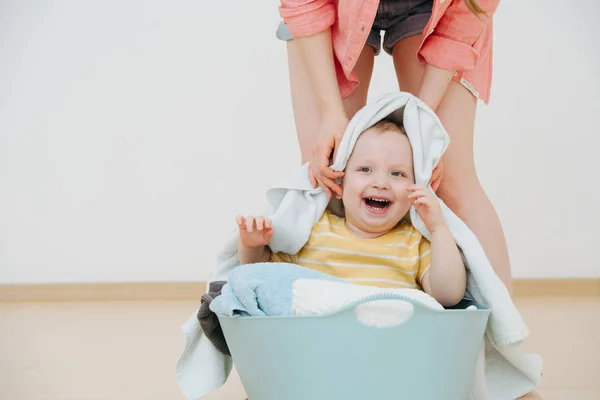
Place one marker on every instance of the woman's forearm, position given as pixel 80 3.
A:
pixel 316 52
pixel 434 85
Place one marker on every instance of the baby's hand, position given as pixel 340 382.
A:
pixel 427 205
pixel 254 232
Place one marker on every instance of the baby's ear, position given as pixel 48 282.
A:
pixel 336 206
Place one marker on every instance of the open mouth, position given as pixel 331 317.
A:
pixel 377 205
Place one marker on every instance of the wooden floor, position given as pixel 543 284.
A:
pixel 127 350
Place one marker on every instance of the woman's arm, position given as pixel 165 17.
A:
pixel 316 55
pixel 307 17
pixel 316 52
pixel 309 22
pixel 453 44
pixel 434 85
pixel 452 47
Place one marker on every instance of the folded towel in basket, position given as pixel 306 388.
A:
pixel 283 289
pixel 320 297
pixel 262 289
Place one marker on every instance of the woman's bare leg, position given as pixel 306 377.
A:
pixel 460 187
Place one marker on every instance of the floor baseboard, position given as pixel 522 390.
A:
pixel 193 290
pixel 103 291
pixel 556 287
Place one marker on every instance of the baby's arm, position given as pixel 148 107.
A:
pixel 446 279
pixel 255 235
pixel 249 255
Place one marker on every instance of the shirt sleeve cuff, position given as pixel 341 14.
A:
pixel 448 54
pixel 308 21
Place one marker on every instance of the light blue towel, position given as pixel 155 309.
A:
pixel 262 289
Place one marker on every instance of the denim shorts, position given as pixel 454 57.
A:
pixel 396 19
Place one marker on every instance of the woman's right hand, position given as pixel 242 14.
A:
pixel 330 135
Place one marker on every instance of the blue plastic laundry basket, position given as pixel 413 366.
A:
pixel 430 356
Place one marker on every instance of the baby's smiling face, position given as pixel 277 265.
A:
pixel 375 181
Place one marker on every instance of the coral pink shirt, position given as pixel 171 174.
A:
pixel 454 38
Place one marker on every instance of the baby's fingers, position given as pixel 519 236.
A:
pixel 250 224
pixel 422 201
pixel 413 187
pixel 417 194
pixel 240 221
pixel 260 223
pixel 268 234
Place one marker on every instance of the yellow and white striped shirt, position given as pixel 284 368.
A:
pixel 397 259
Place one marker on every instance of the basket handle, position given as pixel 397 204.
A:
pixel 385 296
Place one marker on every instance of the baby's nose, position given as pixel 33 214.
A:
pixel 381 182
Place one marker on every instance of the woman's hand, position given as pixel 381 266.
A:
pixel 330 135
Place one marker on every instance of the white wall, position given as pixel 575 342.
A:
pixel 132 133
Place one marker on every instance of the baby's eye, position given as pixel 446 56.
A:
pixel 364 169
pixel 398 173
